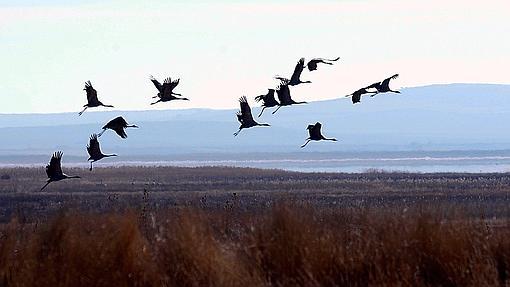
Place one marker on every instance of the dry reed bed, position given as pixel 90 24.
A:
pixel 283 245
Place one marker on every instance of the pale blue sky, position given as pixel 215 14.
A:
pixel 225 49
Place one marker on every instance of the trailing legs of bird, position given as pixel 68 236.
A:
pixel 307 141
pixel 276 110
pixel 263 108
pixel 45 185
pixel 79 114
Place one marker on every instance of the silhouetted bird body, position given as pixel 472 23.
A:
pixel 384 86
pixel 94 150
pixel 315 134
pixel 245 117
pixel 268 100
pixel 312 64
pixel 118 125
pixel 356 96
pixel 54 170
pixel 92 100
pixel 295 79
pixel 166 90
pixel 284 97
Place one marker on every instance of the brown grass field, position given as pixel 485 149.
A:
pixel 216 226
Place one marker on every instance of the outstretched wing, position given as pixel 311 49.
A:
pixel 392 77
pixel 282 79
pixel 239 117
pixel 283 93
pixel 373 86
pixel 174 83
pixel 267 98
pixel 363 91
pixel 168 86
pixel 260 98
pixel 91 92
pixel 54 168
pixel 93 147
pixel 298 70
pixel 157 84
pixel 386 82
pixel 245 109
pixel 116 122
pixel 121 132
pixel 270 100
pixel 310 128
pixel 356 98
pixel 317 129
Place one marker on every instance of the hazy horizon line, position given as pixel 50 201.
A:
pixel 233 108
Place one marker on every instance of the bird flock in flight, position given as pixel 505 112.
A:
pixel 244 116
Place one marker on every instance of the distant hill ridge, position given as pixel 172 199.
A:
pixel 435 117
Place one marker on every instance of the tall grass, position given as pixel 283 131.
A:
pixel 286 245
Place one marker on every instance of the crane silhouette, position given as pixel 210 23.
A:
pixel 312 64
pixel 118 125
pixel 92 100
pixel 268 100
pixel 384 86
pixel 244 116
pixel 295 79
pixel 94 151
pixel 315 134
pixel 356 96
pixel 283 93
pixel 54 170
pixel 166 91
